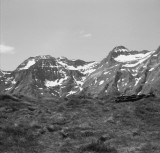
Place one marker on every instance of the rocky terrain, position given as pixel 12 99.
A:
pixel 122 72
pixel 79 125
pixel 57 105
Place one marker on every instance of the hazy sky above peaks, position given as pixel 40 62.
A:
pixel 76 29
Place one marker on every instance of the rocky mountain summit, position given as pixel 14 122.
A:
pixel 125 72
pixel 122 72
pixel 47 76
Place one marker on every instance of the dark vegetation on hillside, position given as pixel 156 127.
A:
pixel 79 125
pixel 132 98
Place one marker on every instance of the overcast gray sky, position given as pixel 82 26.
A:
pixel 77 29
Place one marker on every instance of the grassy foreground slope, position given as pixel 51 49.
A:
pixel 79 125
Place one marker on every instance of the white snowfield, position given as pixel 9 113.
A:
pixel 133 57
pixel 57 82
pixel 28 65
pixel 133 60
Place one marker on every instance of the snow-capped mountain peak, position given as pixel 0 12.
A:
pixel 125 72
pixel 120 49
pixel 46 75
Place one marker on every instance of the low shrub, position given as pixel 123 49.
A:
pixel 99 148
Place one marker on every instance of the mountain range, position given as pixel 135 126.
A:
pixel 57 105
pixel 122 72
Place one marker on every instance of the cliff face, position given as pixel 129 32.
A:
pixel 122 72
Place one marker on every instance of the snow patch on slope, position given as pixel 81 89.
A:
pixel 85 69
pixel 132 57
pixel 151 69
pixel 147 55
pixel 5 72
pixel 101 82
pixel 55 83
pixel 8 88
pixel 71 92
pixel 28 65
pixel 137 80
